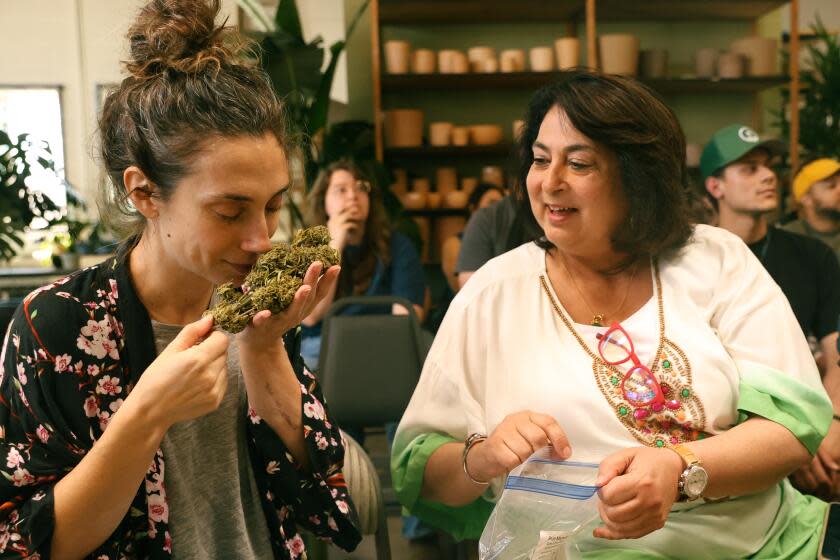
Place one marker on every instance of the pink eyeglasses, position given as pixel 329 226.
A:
pixel 639 385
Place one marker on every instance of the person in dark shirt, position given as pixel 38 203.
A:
pixel 490 232
pixel 737 172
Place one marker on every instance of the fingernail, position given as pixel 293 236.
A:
pixel 566 453
pixel 599 481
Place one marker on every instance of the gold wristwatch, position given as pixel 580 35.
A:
pixel 694 478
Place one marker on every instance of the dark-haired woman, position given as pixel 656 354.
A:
pixel 376 260
pixel 625 337
pixel 130 428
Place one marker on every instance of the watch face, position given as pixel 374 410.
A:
pixel 696 479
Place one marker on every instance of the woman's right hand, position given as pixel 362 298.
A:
pixel 188 379
pixel 341 225
pixel 515 439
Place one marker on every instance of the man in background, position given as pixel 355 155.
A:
pixel 737 172
pixel 816 189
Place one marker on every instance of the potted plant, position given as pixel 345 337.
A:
pixel 24 207
pixel 819 111
pixel 295 70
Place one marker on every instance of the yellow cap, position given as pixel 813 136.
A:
pixel 815 171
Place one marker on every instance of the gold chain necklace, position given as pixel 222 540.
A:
pixel 598 318
pixel 567 321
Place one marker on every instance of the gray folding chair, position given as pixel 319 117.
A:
pixel 370 364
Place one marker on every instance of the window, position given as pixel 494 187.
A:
pixel 37 111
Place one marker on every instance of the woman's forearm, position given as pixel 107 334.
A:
pixel 93 498
pixel 444 480
pixel 276 398
pixel 749 458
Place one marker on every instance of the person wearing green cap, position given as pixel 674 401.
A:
pixel 816 190
pixel 736 166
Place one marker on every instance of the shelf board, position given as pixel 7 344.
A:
pixel 436 212
pixel 448 151
pixel 716 85
pixel 504 11
pixel 685 10
pixel 533 80
pixel 477 11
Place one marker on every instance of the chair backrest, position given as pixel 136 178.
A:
pixel 365 490
pixel 370 364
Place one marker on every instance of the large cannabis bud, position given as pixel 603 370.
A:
pixel 274 279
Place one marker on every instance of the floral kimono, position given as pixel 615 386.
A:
pixel 73 351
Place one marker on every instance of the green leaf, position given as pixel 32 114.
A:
pixel 287 19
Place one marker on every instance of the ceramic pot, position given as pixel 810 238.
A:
pixel 541 59
pixel 421 185
pixel 446 180
pixel 567 52
pixel 446 227
pixel 489 66
pixel 512 60
pixel 433 200
pixel 403 128
pixel 477 56
pixel 705 62
pixel 440 133
pixel 485 134
pixel 445 58
pixel 460 136
pixel 460 63
pixel 414 200
pixel 455 199
pixel 423 61
pixel 619 54
pixel 730 65
pixel 760 55
pixel 397 56
pixel 653 63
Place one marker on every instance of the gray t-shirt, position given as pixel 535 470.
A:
pixel 214 506
pixel 492 231
pixel 801 227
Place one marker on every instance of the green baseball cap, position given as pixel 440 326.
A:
pixel 731 143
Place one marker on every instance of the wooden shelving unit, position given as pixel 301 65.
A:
pixel 573 13
pixel 437 152
pixel 476 11
pixel 533 80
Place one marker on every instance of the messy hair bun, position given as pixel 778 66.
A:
pixel 187 83
pixel 180 35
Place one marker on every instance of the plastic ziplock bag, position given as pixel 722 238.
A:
pixel 544 503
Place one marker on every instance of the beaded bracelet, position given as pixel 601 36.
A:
pixel 471 440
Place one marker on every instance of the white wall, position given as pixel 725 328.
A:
pixel 75 44
pixel 828 10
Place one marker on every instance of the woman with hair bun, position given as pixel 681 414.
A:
pixel 130 427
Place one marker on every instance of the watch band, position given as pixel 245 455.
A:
pixel 687 455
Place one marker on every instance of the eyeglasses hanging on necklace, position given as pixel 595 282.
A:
pixel 639 386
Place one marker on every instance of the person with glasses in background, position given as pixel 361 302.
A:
pixel 624 336
pixel 376 260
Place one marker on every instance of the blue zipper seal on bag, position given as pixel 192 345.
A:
pixel 551 487
pixel 565 463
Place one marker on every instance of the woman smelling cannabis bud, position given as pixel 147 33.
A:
pixel 132 428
